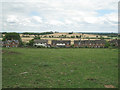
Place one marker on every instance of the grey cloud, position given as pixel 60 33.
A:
pixel 66 15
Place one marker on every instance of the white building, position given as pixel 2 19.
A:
pixel 40 42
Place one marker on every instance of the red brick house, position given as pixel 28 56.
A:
pixel 89 43
pixel 10 43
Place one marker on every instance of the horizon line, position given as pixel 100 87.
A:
pixel 54 32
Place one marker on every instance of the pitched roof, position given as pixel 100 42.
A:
pixel 9 41
pixel 61 41
pixel 89 41
pixel 40 41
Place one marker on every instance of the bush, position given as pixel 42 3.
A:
pixel 40 47
pixel 107 44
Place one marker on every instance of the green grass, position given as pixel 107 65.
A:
pixel 59 68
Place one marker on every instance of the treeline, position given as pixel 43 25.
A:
pixel 106 34
pixel 44 33
pixel 32 33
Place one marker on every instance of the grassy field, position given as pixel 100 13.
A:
pixel 59 68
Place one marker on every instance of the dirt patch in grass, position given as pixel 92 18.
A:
pixel 10 52
pixel 3 51
pixel 109 86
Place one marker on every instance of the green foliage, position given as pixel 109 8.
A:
pixel 101 37
pixel 78 36
pixel 31 42
pixel 72 46
pixel 107 44
pixel 72 36
pixel 10 36
pixel 62 36
pixel 36 37
pixel 44 33
pixel 40 47
pixel 70 33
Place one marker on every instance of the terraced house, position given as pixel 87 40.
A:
pixel 89 43
pixel 40 42
pixel 61 43
pixel 10 43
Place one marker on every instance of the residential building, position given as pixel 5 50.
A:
pixel 61 43
pixel 89 43
pixel 41 42
pixel 10 43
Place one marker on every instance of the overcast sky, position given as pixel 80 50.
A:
pixel 60 15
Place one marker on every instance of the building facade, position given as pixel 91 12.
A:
pixel 10 43
pixel 40 42
pixel 90 43
pixel 61 43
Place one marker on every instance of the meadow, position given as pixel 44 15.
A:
pixel 59 68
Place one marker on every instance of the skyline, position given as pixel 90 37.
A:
pixel 60 16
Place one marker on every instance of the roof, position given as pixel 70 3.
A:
pixel 40 41
pixel 9 41
pixel 89 41
pixel 114 41
pixel 61 41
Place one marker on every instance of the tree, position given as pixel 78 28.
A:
pixel 31 42
pixel 77 36
pixel 107 44
pixel 96 36
pixel 101 37
pixel 70 33
pixel 72 36
pixel 80 36
pixel 36 37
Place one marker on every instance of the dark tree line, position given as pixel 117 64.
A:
pixel 44 33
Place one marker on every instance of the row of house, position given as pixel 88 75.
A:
pixel 62 43
pixel 9 43
pixel 77 43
